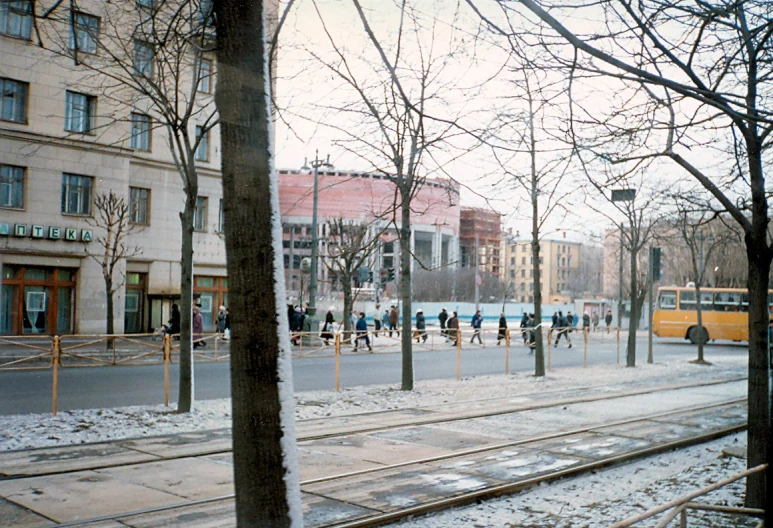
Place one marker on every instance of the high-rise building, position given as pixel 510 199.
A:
pixel 480 240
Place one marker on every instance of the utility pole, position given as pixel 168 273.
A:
pixel 650 304
pixel 477 275
pixel 620 283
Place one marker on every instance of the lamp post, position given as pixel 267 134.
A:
pixel 316 163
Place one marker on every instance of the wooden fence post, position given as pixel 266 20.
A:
pixel 507 352
pixel 55 363
pixel 338 362
pixel 458 354
pixel 167 359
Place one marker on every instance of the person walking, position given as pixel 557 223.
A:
pixel 453 328
pixel 585 322
pixel 502 332
pixel 362 332
pixel 595 320
pixel 421 326
pixel 227 328
pixel 174 322
pixel 198 328
pixel 563 329
pixel 524 325
pixel 393 320
pixel 327 330
pixel 443 318
pixel 220 321
pixel 608 319
pixel 477 321
pixel 532 333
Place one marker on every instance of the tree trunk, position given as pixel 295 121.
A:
pixel 110 326
pixel 759 428
pixel 405 291
pixel 539 351
pixel 264 443
pixel 347 287
pixel 185 394
pixel 630 357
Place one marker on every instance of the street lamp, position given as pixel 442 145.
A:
pixel 316 163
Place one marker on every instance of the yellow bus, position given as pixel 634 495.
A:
pixel 725 313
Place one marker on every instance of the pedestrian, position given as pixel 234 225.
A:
pixel 524 325
pixel 563 329
pixel 376 321
pixel 477 321
pixel 198 327
pixel 327 330
pixel 227 329
pixel 502 333
pixel 393 319
pixel 532 333
pixel 585 322
pixel 174 322
pixel 421 326
pixel 220 320
pixel 362 332
pixel 595 320
pixel 443 318
pixel 555 320
pixel 608 319
pixel 297 326
pixel 453 328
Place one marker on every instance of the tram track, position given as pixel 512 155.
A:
pixel 333 487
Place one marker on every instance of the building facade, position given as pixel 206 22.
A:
pixel 481 240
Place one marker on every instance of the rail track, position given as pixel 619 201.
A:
pixel 421 462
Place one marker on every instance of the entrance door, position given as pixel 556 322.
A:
pixel 134 304
pixel 37 300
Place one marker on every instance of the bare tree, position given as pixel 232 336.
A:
pixel 690 84
pixel 150 69
pixel 391 99
pixel 266 473
pixel 111 216
pixel 349 247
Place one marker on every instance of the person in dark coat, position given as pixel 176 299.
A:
pixel 174 322
pixel 362 332
pixel 586 322
pixel 453 328
pixel 608 319
pixel 327 330
pixel 502 333
pixel 393 321
pixel 524 325
pixel 477 321
pixel 443 318
pixel 421 327
pixel 532 334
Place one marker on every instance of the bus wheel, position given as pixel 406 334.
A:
pixel 697 333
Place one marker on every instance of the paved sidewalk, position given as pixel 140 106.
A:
pixel 71 484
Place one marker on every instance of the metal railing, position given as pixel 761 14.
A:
pixel 680 507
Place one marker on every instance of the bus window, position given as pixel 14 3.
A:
pixel 744 302
pixel 687 300
pixel 667 300
pixel 707 303
pixel 727 301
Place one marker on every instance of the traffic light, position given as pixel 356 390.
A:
pixel 370 276
pixel 390 274
pixel 656 254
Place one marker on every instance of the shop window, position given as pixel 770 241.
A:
pixel 11 186
pixel 36 300
pixel 13 100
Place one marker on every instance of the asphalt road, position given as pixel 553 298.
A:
pixel 104 387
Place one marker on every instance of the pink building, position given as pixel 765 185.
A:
pixel 369 198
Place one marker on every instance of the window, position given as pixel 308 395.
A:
pixel 139 199
pixel 11 186
pixel 667 300
pixel 523 273
pixel 140 138
pixel 220 218
pixel 523 261
pixel 13 100
pixel 200 214
pixel 16 18
pixel 205 76
pixel 202 151
pixel 79 112
pixel 205 11
pixel 76 194
pixel 150 4
pixel 142 59
pixel 84 33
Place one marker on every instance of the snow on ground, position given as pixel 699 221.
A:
pixel 596 499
